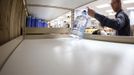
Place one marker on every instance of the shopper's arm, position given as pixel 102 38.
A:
pixel 117 23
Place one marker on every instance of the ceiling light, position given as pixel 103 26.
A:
pixel 130 8
pixel 103 6
pixel 128 1
pixel 109 11
pixel 111 14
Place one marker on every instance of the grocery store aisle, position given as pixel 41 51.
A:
pixel 69 56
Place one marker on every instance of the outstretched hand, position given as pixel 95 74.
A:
pixel 91 12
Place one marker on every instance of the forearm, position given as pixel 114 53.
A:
pixel 108 22
pixel 100 18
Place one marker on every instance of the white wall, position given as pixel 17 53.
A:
pixel 131 16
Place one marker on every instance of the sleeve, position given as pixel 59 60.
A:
pixel 117 23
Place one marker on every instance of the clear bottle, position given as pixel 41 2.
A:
pixel 80 24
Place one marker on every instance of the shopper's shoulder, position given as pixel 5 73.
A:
pixel 122 13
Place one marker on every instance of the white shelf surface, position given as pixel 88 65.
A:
pixel 69 56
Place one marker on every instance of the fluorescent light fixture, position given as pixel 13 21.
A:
pixel 111 14
pixel 109 11
pixel 128 1
pixel 130 8
pixel 103 6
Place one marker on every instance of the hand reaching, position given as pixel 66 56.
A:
pixel 91 12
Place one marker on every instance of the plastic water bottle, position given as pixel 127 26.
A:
pixel 29 21
pixel 33 22
pixel 80 24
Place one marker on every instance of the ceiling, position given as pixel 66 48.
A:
pixel 51 9
pixel 102 11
